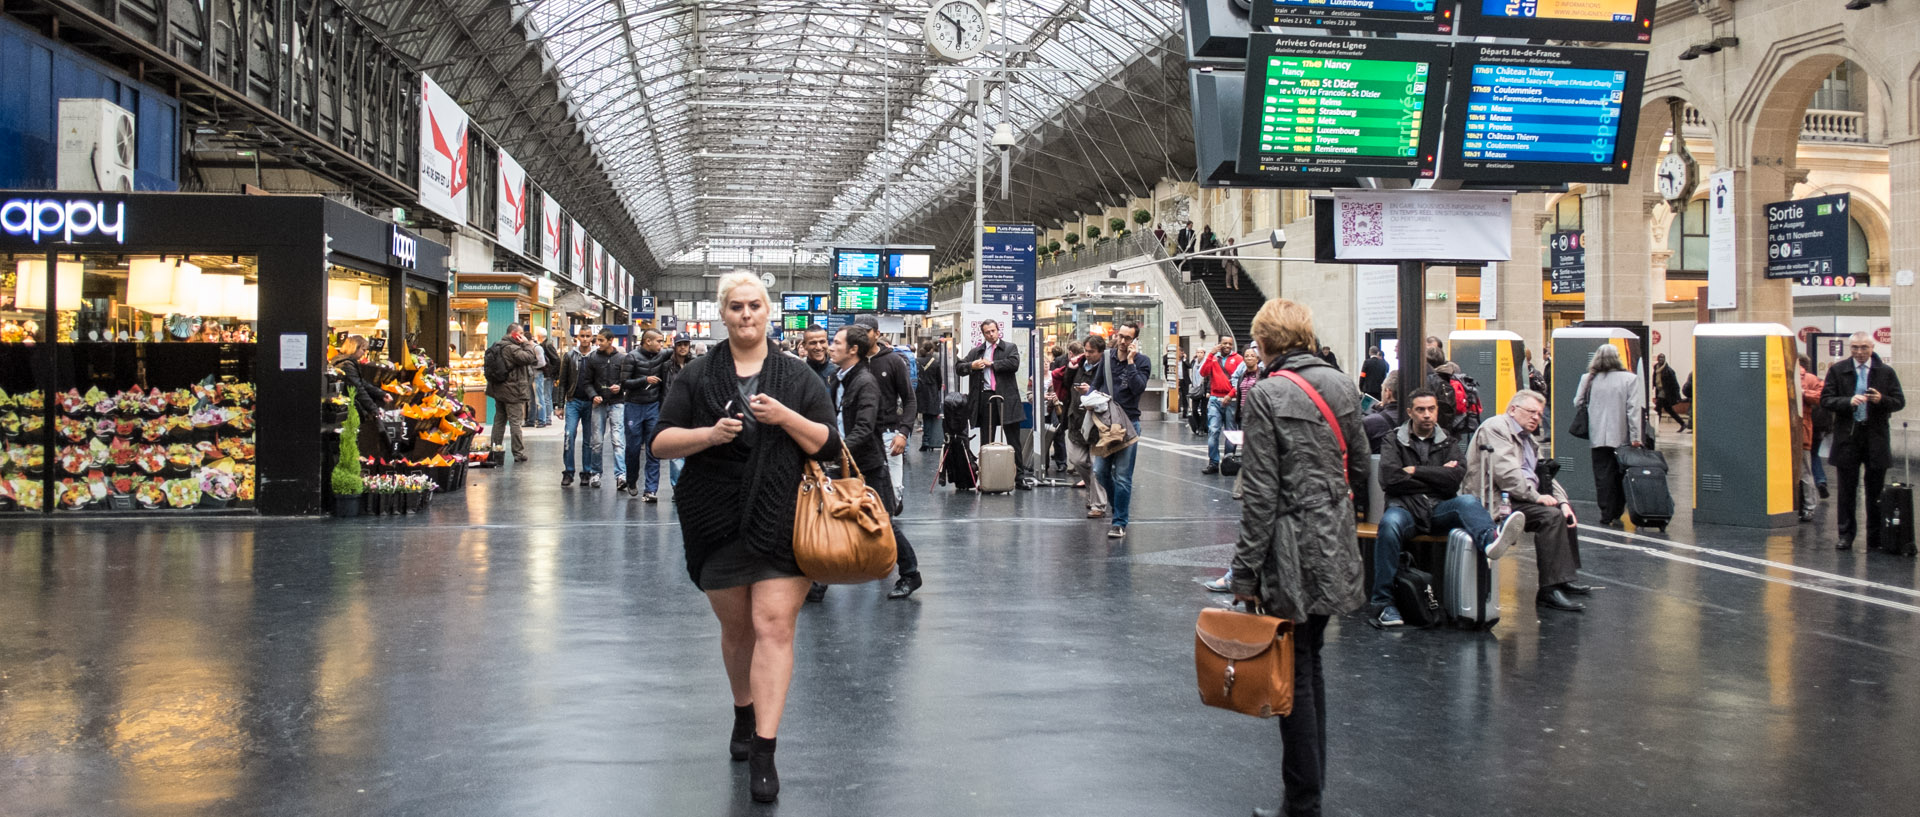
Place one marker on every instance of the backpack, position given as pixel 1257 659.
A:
pixel 495 366
pixel 1414 596
pixel 1460 408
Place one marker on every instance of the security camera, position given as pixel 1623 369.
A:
pixel 1003 136
pixel 1278 239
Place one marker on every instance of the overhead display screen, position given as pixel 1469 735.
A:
pixel 856 297
pixel 794 303
pixel 908 298
pixel 1537 114
pixel 1416 16
pixel 1606 21
pixel 795 322
pixel 822 303
pixel 856 263
pixel 1342 107
pixel 909 264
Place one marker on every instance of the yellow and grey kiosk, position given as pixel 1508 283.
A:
pixel 1746 404
pixel 1572 349
pixel 1494 359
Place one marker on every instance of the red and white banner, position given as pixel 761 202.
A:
pixel 577 254
pixel 550 234
pixel 597 282
pixel 510 206
pixel 443 153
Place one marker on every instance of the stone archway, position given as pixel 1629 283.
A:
pixel 1626 268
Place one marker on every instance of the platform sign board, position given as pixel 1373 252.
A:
pixel 1415 16
pixel 1341 107
pixel 1807 240
pixel 443 152
pixel 1526 114
pixel 1722 267
pixel 1469 227
pixel 1567 262
pixel 1603 21
pixel 1009 263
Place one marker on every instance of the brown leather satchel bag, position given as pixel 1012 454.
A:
pixel 841 531
pixel 1244 662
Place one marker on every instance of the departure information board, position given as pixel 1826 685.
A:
pixel 795 322
pixel 909 264
pixel 1417 16
pixel 791 302
pixel 909 298
pixel 856 263
pixel 856 297
pixel 1341 107
pixel 1606 21
pixel 1534 114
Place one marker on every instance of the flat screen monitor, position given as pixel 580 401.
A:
pixel 915 265
pixel 1341 107
pixel 1531 114
pixel 1417 16
pixel 909 297
pixel 790 302
pixel 822 303
pixel 856 297
pixel 795 322
pixel 853 262
pixel 1603 21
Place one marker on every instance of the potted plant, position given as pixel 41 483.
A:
pixel 1093 232
pixel 1116 225
pixel 1142 217
pixel 1053 247
pixel 1073 241
pixel 348 487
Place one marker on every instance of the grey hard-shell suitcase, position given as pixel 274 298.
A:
pixel 997 470
pixel 1470 591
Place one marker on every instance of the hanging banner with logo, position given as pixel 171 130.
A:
pixel 577 253
pixel 597 272
pixel 510 206
pixel 1722 272
pixel 550 234
pixel 443 153
pixel 1807 240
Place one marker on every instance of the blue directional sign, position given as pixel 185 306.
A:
pixel 643 306
pixel 1008 266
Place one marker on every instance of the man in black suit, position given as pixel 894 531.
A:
pixel 1862 392
pixel 994 367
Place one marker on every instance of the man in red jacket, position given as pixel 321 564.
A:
pixel 1217 373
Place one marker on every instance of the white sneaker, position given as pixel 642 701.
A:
pixel 1506 533
pixel 1224 584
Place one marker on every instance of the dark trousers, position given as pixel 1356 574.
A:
pixel 1607 484
pixel 1303 734
pixel 1666 407
pixel 1850 495
pixel 882 484
pixel 1556 546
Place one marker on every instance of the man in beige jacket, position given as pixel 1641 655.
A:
pixel 1504 458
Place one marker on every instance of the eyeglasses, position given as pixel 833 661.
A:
pixel 1527 411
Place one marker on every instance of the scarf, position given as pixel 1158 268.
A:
pixel 765 487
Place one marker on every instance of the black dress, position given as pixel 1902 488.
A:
pixel 736 501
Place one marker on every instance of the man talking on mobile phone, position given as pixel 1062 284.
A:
pixel 1861 392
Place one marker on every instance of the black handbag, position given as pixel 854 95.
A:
pixel 1414 596
pixel 1578 427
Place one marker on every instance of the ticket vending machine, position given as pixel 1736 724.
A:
pixel 1572 349
pixel 1494 359
pixel 1746 412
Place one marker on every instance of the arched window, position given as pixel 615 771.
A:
pixel 1687 239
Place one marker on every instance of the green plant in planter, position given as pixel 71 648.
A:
pixel 1053 247
pixel 1093 232
pixel 346 473
pixel 1142 217
pixel 1116 225
pixel 1073 240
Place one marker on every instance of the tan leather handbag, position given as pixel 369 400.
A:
pixel 841 531
pixel 1244 662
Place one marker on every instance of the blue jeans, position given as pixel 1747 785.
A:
pixel 577 411
pixel 673 471
pixel 609 422
pixel 542 401
pixel 1813 464
pixel 1115 474
pixel 932 434
pixel 1219 419
pixel 642 420
pixel 1396 526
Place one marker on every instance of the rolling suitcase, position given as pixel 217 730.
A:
pixel 1896 512
pixel 1644 485
pixel 1469 589
pixel 997 471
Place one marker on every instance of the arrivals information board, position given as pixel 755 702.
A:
pixel 1342 107
pixel 1543 115
pixel 1417 16
pixel 909 297
pixel 856 298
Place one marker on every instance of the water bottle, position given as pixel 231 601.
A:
pixel 1506 506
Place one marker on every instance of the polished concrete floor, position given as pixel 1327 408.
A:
pixel 525 649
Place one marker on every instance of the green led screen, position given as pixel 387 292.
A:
pixel 1344 107
pixel 856 298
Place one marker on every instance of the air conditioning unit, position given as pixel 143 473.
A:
pixel 96 146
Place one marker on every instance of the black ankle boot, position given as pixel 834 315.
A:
pixel 764 780
pixel 742 732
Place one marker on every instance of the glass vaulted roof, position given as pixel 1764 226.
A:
pixel 738 130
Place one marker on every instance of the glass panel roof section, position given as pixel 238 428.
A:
pixel 811 122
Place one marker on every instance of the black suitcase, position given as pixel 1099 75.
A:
pixel 1644 485
pixel 1896 512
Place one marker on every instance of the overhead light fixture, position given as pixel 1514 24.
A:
pixel 1714 45
pixel 1692 53
pixel 30 291
pixel 1856 5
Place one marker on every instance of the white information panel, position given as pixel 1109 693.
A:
pixel 1722 272
pixel 1422 225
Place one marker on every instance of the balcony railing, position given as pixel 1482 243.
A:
pixel 1818 126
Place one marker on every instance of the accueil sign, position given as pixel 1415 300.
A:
pixel 37 218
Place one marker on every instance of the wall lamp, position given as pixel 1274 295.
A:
pixel 1715 45
pixel 1856 5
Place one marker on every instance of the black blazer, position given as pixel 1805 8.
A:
pixel 856 399
pixel 1005 360
pixel 1871 441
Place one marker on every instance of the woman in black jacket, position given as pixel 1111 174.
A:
pixel 927 393
pixel 856 396
pixel 746 418
pixel 368 399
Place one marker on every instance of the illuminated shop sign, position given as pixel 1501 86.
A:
pixel 62 220
pixel 405 251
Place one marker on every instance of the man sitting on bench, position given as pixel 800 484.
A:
pixel 1420 471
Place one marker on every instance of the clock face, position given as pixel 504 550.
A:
pixel 1670 180
pixel 956 29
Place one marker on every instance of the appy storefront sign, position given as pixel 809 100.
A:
pixel 64 221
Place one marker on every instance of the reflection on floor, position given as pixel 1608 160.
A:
pixel 534 650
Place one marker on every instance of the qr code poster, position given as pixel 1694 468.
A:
pixel 1422 225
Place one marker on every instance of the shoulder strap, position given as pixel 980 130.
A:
pixel 1326 412
pixel 1106 364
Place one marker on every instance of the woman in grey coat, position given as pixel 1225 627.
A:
pixel 1298 554
pixel 1615 405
